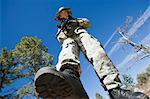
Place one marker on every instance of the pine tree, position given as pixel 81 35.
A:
pixel 128 81
pixel 8 70
pixel 31 55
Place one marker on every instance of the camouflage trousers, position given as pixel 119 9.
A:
pixel 94 52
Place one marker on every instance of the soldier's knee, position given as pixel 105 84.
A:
pixel 68 40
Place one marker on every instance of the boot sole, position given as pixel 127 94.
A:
pixel 50 84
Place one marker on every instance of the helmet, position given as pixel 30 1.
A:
pixel 63 8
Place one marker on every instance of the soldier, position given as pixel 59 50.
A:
pixel 64 83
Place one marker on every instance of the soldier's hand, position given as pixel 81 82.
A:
pixel 73 23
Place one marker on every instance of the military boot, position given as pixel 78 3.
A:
pixel 118 93
pixel 63 84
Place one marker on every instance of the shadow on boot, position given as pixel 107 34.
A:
pixel 53 84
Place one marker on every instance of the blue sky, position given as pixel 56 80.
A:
pixel 36 18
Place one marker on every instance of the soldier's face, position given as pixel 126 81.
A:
pixel 64 14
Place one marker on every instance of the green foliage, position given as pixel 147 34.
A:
pixel 7 68
pixel 8 72
pixel 142 78
pixel 31 55
pixel 23 62
pixel 128 81
pixel 26 90
pixel 98 96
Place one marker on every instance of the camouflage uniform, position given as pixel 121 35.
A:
pixel 64 83
pixel 92 49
